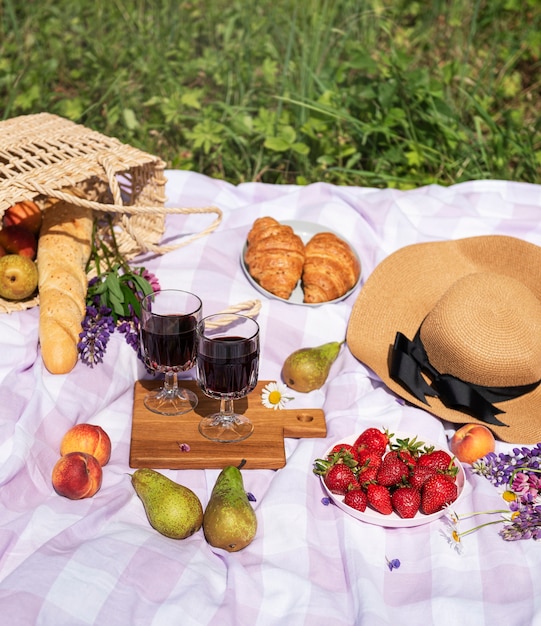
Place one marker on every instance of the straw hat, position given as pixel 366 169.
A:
pixel 454 327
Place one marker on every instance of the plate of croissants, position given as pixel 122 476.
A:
pixel 299 262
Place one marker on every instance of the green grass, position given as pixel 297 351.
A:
pixel 368 92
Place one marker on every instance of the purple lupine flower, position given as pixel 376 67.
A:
pixel 97 327
pixel 499 468
pixel 393 563
pixel 108 297
pixel 524 484
pixel 525 522
pixel 130 329
pixel 152 279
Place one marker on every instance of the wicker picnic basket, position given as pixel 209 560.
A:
pixel 44 157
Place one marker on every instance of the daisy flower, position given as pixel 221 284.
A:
pixel 451 531
pixel 273 396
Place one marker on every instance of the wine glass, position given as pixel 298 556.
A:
pixel 168 325
pixel 227 368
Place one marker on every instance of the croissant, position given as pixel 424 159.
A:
pixel 331 268
pixel 64 248
pixel 274 256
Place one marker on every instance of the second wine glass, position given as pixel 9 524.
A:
pixel 168 325
pixel 227 368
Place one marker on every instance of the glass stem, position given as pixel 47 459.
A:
pixel 170 384
pixel 226 408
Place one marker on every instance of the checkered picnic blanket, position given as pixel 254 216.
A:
pixel 98 561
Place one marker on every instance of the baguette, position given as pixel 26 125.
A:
pixel 63 251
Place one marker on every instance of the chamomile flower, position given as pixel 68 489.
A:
pixel 451 531
pixel 273 396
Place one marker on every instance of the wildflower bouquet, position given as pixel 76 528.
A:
pixel 518 476
pixel 114 296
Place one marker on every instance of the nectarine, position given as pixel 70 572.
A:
pixel 87 438
pixel 77 475
pixel 19 240
pixel 472 442
pixel 25 213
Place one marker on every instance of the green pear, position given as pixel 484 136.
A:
pixel 18 277
pixel 229 521
pixel 307 369
pixel 172 509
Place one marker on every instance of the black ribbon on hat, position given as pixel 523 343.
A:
pixel 409 360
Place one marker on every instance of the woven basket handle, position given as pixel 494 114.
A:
pixel 119 207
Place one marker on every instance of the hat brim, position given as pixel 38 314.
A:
pixel 407 284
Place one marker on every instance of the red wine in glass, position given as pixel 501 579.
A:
pixel 227 368
pixel 169 341
pixel 168 326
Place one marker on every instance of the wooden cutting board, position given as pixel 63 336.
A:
pixel 156 439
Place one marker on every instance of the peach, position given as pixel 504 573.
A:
pixel 19 240
pixel 77 475
pixel 471 442
pixel 25 213
pixel 87 438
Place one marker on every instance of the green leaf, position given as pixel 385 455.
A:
pixel 26 100
pixel 192 98
pixel 127 299
pixel 141 284
pixel 130 119
pixel 278 144
pixel 116 304
pixel 300 148
pixel 112 283
pixel 288 134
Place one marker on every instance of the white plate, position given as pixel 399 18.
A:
pixel 305 230
pixel 393 520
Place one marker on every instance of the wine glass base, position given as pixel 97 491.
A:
pixel 226 429
pixel 168 403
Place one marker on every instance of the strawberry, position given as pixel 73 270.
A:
pixel 406 501
pixel 420 474
pixel 341 449
pixel 438 459
pixel 438 491
pixel 367 474
pixel 367 457
pixel 406 456
pixel 356 499
pixel 402 455
pixel 340 457
pixel 409 449
pixel 373 439
pixel 379 498
pixel 339 478
pixel 392 471
pixel 369 463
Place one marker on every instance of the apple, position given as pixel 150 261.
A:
pixel 25 213
pixel 18 277
pixel 472 442
pixel 77 475
pixel 19 240
pixel 87 438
